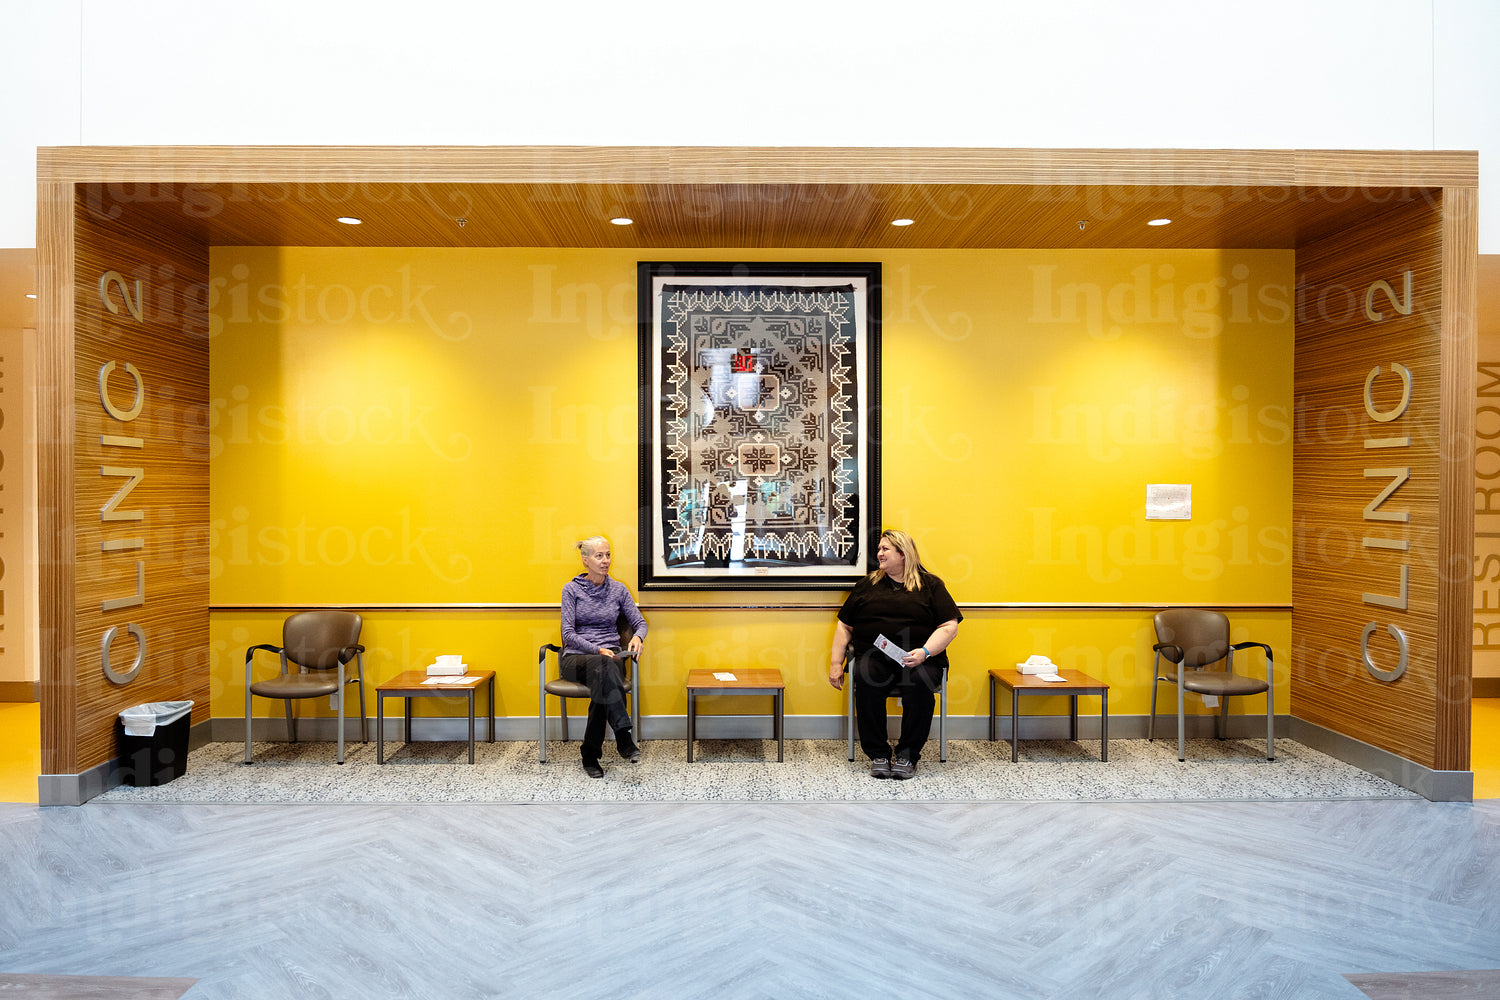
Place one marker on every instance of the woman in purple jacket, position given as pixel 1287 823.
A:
pixel 592 604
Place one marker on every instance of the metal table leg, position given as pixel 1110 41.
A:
pixel 471 725
pixel 379 728
pixel 692 709
pixel 780 726
pixel 1015 724
pixel 1104 726
pixel 992 709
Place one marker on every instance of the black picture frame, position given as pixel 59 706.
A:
pixel 759 424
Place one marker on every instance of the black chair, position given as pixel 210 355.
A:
pixel 320 644
pixel 851 727
pixel 562 689
pixel 1192 639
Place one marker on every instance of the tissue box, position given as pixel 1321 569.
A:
pixel 1047 667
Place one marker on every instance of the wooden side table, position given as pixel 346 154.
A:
pixel 414 684
pixel 1073 684
pixel 745 682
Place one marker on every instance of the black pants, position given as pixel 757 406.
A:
pixel 606 686
pixel 878 677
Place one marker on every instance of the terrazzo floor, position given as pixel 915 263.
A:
pixel 747 771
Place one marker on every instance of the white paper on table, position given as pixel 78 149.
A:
pixel 1052 678
pixel 723 676
pixel 890 649
pixel 444 679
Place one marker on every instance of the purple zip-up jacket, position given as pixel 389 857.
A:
pixel 589 614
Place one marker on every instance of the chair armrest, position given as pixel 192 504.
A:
pixel 1246 645
pixel 1176 661
pixel 250 655
pixel 541 662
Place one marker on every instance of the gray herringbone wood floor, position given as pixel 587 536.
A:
pixel 1159 900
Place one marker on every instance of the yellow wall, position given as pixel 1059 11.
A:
pixel 440 425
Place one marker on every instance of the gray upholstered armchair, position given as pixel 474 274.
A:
pixel 549 681
pixel 1191 640
pixel 851 728
pixel 320 645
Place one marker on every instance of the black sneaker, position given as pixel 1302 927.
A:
pixel 903 769
pixel 592 769
pixel 880 767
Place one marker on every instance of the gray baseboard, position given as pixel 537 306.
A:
pixel 76 789
pixel 20 692
pixel 1437 786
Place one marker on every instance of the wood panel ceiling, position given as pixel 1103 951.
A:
pixel 959 216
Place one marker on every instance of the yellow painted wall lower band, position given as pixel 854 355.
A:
pixel 1114 646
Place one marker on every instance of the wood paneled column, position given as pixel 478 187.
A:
pixel 1383 480
pixel 122 473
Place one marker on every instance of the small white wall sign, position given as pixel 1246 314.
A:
pixel 1169 501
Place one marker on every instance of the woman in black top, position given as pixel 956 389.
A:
pixel 911 608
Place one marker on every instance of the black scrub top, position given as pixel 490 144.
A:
pixel 907 618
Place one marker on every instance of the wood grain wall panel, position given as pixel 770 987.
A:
pixel 1460 346
pixel 1338 345
pixel 166 511
pixel 54 416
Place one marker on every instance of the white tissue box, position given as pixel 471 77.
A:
pixel 447 669
pixel 1045 667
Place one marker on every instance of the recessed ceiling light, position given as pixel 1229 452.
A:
pixel 31 295
pixel 1159 222
pixel 621 221
pixel 902 222
pixel 350 220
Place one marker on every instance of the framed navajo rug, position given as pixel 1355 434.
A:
pixel 759 424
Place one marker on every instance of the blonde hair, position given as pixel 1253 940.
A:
pixel 904 544
pixel 589 544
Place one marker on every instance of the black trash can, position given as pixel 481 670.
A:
pixel 153 742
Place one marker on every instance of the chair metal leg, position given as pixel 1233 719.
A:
pixel 248 697
pixel 364 731
pixel 943 719
pixel 291 720
pixel 541 704
pixel 1151 721
pixel 1221 724
pixel 342 699
pixel 563 704
pixel 1181 723
pixel 849 712
pixel 1270 724
pixel 541 734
